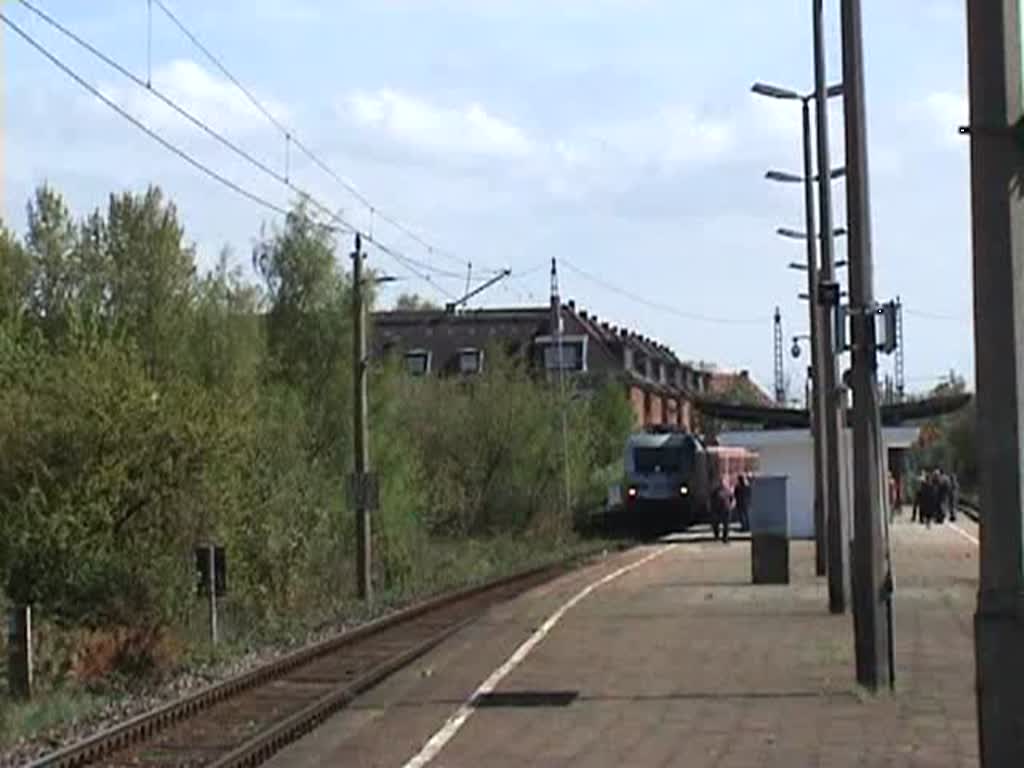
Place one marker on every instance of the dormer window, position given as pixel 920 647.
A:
pixel 471 360
pixel 569 355
pixel 417 362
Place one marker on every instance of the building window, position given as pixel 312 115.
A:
pixel 573 350
pixel 417 362
pixel 571 356
pixel 471 360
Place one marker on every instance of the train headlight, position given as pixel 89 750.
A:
pixel 683 490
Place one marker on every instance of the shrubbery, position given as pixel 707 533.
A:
pixel 145 408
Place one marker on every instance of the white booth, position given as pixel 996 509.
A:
pixel 789 452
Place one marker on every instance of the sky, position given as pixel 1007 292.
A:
pixel 618 136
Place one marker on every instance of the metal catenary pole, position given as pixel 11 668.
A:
pixel 816 406
pixel 556 303
pixel 832 429
pixel 997 172
pixel 364 586
pixel 871 639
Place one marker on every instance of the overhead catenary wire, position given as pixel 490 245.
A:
pixel 658 306
pixel 933 315
pixel 411 265
pixel 174 149
pixel 300 145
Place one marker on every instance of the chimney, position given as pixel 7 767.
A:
pixel 583 312
pixel 556 304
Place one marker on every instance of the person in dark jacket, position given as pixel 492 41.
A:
pixel 954 496
pixel 742 495
pixel 941 491
pixel 917 513
pixel 721 509
pixel 926 500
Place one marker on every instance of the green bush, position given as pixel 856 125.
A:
pixel 145 409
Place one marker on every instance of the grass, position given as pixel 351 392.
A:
pixel 442 566
pixel 31 720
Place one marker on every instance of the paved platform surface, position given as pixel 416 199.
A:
pixel 682 662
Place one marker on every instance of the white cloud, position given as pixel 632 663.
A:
pixel 420 125
pixel 214 100
pixel 667 141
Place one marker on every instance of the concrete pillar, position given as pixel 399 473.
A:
pixel 997 171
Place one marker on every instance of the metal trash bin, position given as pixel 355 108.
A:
pixel 769 530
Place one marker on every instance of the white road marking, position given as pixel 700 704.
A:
pixel 964 533
pixel 438 741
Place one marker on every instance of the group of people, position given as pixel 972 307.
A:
pixel 726 501
pixel 937 496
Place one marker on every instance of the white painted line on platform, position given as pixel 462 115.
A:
pixel 964 533
pixel 447 732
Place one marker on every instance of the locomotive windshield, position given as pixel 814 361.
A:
pixel 673 459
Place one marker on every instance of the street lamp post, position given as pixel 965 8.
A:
pixel 825 450
pixel 834 426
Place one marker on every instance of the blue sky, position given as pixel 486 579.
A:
pixel 617 135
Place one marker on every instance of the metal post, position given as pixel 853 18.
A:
pixel 19 652
pixel 871 638
pixel 360 428
pixel 835 510
pixel 556 308
pixel 816 405
pixel 997 170
pixel 211 572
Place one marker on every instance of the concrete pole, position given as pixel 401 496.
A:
pixel 815 406
pixel 360 428
pixel 835 510
pixel 997 167
pixel 871 638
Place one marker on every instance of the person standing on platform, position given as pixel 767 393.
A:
pixel 954 496
pixel 920 500
pixel 940 489
pixel 721 508
pixel 742 495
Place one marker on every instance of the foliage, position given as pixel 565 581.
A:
pixel 413 301
pixel 950 441
pixel 146 408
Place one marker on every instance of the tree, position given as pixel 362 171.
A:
pixel 414 302
pixel 152 274
pixel 309 325
pixel 950 441
pixel 15 277
pixel 51 243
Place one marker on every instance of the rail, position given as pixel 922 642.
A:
pixel 246 719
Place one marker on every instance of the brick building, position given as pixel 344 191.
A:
pixel 659 386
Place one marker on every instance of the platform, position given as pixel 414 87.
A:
pixel 680 661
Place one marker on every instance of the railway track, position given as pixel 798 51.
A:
pixel 246 719
pixel 970 509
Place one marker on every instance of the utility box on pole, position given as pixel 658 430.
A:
pixel 769 530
